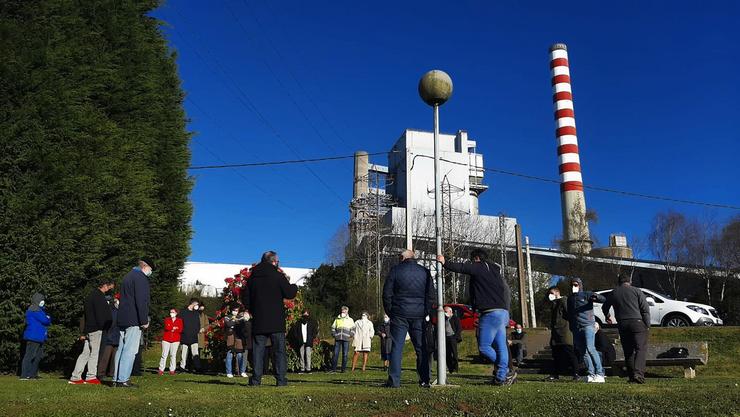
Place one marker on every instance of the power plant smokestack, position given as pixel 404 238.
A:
pixel 575 228
pixel 361 174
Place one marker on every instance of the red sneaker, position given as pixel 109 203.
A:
pixel 172 372
pixel 160 372
pixel 78 382
pixel 94 381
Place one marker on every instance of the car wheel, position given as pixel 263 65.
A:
pixel 676 321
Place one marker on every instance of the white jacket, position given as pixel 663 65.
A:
pixel 364 332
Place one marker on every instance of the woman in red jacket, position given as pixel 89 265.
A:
pixel 170 341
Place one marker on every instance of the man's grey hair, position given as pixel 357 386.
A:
pixel 269 256
pixel 344 308
pixel 407 254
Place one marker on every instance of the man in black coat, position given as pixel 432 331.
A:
pixel 97 321
pixel 300 338
pixel 561 341
pixel 190 316
pixel 408 296
pixel 133 317
pixel 263 297
pixel 633 318
pixel 453 333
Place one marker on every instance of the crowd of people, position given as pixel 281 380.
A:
pixel 255 330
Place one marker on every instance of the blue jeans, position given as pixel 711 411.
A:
pixel 415 328
pixel 584 341
pixel 241 363
pixel 340 344
pixel 127 348
pixel 492 327
pixel 278 352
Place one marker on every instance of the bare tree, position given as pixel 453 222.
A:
pixel 726 248
pixel 697 238
pixel 337 246
pixel 667 242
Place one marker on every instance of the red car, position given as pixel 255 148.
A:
pixel 468 318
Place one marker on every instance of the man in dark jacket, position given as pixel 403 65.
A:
pixel 133 317
pixel 190 316
pixel 491 297
pixel 581 318
pixel 453 336
pixel 633 318
pixel 561 341
pixel 263 297
pixel 301 337
pixel 408 295
pixel 518 344
pixel 106 364
pixel 97 321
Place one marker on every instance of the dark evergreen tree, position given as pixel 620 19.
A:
pixel 93 159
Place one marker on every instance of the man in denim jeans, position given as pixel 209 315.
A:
pixel 491 297
pixel 581 319
pixel 133 316
pixel 408 295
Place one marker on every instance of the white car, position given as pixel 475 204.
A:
pixel 669 313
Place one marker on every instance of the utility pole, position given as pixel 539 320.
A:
pixel 529 284
pixel 522 278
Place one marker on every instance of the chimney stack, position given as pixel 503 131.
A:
pixel 361 174
pixel 575 228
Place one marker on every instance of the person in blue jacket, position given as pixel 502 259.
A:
pixel 581 319
pixel 35 335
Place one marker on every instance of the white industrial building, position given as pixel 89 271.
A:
pixel 411 161
pixel 208 278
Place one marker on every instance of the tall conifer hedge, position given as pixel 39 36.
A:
pixel 93 160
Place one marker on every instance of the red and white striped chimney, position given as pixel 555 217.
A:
pixel 575 228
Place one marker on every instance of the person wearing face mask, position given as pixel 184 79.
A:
pixel 170 341
pixel 190 316
pixel 235 343
pixel 518 344
pixel 364 332
pixel 106 365
pixel 581 318
pixel 343 328
pixel 133 317
pixel 35 335
pixel 301 337
pixel 97 320
pixel 564 361
pixel 453 333
pixel 386 342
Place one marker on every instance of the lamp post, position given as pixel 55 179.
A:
pixel 435 88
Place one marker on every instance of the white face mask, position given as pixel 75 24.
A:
pixel 552 297
pixel 343 314
pixel 575 289
pixel 234 313
pixel 173 315
pixel 41 303
pixel 386 319
pixel 364 317
pixel 518 330
pixel 148 272
pixel 195 307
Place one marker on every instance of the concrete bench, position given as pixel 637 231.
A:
pixel 698 355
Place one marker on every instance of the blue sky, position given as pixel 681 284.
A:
pixel 656 88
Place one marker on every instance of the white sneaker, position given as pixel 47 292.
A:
pixel 589 379
pixel 244 375
pixel 600 379
pixel 229 375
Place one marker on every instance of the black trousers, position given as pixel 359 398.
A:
pixel 634 337
pixel 452 363
pixel 564 361
pixel 31 359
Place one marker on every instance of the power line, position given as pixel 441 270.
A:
pixel 290 161
pixel 247 103
pixel 494 170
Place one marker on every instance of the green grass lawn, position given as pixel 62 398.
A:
pixel 715 392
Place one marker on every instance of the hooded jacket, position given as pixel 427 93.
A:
pixel 581 307
pixel 36 321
